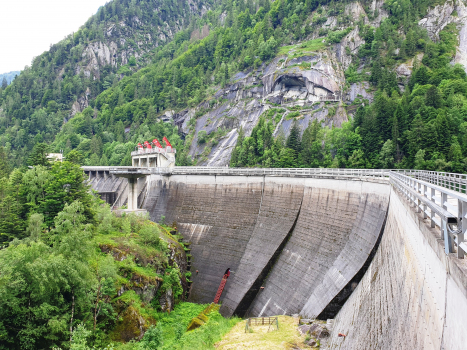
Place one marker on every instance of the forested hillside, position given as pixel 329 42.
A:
pixel 59 83
pixel 397 87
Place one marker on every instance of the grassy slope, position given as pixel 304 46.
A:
pixel 287 337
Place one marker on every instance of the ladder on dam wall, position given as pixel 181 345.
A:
pixel 221 286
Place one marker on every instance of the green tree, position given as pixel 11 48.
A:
pixel 4 163
pixel 38 155
pixel 433 98
pixel 357 160
pixel 386 156
pixel 294 138
pixel 420 163
pixel 75 157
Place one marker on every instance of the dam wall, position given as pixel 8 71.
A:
pixel 292 243
pixel 413 295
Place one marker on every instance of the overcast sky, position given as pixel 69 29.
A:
pixel 28 27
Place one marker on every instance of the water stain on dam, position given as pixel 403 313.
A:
pixel 302 240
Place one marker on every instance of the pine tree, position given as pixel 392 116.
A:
pixel 310 135
pixel 234 159
pixel 294 139
pixel 38 155
pixel 4 163
pixel 433 98
pixel 4 83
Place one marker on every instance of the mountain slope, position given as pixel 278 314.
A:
pixel 62 81
pixel 292 63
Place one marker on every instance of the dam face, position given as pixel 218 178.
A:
pixel 413 295
pixel 292 244
pixel 302 245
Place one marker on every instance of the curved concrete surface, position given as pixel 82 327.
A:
pixel 301 239
pixel 413 296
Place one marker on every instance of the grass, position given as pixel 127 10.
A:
pixel 303 48
pixel 287 337
pixel 201 338
pixel 292 115
pixel 173 329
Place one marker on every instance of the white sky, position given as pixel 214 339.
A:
pixel 28 27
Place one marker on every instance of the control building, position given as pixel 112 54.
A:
pixel 153 155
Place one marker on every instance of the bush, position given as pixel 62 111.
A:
pixel 202 137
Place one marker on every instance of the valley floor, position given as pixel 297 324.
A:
pixel 287 337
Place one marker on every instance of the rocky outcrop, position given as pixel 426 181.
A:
pixel 442 15
pixel 81 103
pixel 313 83
pixel 461 53
pixel 352 41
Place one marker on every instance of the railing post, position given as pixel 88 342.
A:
pixel 424 205
pixel 448 241
pixel 419 186
pixel 432 198
pixel 462 211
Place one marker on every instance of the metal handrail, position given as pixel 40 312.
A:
pixel 453 181
pixel 374 173
pixel 445 208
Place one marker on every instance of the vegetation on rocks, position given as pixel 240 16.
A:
pixel 70 268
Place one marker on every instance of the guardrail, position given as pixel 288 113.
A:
pixel 452 181
pixel 271 322
pixel 444 207
pixel 305 172
pixel 442 197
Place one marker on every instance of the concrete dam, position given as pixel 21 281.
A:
pixel 372 251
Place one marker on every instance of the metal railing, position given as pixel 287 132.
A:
pixel 451 181
pixel 271 322
pixel 153 151
pixel 304 172
pixel 445 208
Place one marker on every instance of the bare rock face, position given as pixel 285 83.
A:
pixel 167 301
pixel 442 15
pixel 461 54
pixel 360 90
pixel 405 69
pixel 377 8
pixel 353 41
pixel 81 103
pixel 306 81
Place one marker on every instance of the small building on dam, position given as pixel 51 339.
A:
pixel 380 252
